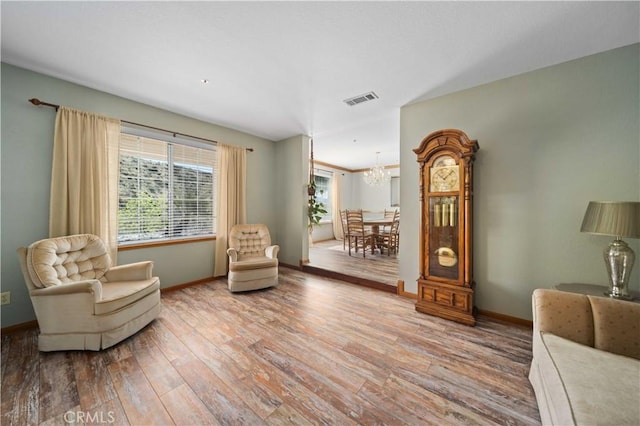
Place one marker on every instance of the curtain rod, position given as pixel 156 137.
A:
pixel 38 102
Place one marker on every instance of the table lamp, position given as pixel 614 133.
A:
pixel 619 219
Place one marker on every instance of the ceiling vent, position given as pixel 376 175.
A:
pixel 360 99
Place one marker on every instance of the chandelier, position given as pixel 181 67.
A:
pixel 377 175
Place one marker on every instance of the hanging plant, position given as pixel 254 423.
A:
pixel 315 209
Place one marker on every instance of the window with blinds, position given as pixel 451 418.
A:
pixel 166 190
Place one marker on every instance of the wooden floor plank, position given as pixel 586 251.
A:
pixel 21 381
pixel 186 408
pixel 312 350
pixel 286 415
pixel 140 403
pixel 316 380
pixel 57 384
pixel 93 381
pixel 156 367
pixel 218 398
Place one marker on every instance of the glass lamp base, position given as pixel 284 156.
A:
pixel 617 295
pixel 619 258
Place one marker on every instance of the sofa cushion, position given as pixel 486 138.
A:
pixel 57 261
pixel 564 314
pixel 616 326
pixel 118 294
pixel 597 387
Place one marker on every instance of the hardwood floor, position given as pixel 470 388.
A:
pixel 329 255
pixel 310 351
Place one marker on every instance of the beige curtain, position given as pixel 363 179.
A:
pixel 336 203
pixel 84 177
pixel 231 199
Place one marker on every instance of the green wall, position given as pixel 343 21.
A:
pixel 27 136
pixel 550 140
pixel 291 198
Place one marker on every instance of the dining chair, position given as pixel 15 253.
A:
pixel 345 228
pixel 389 214
pixel 359 237
pixel 389 239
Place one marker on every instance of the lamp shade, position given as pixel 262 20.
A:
pixel 618 218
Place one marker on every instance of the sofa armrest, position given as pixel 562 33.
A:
pixel 564 314
pixel 233 254
pixel 86 286
pixel 272 251
pixel 130 272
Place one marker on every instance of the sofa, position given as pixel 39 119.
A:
pixel 586 359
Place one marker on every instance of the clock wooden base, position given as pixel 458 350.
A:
pixel 452 302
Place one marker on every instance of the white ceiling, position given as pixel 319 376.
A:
pixel 279 69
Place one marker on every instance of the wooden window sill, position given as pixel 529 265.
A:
pixel 148 244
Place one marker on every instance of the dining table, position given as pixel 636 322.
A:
pixel 376 223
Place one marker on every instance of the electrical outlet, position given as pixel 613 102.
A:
pixel 5 298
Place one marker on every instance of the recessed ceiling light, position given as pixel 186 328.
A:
pixel 204 81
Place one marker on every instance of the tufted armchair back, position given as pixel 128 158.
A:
pixel 63 260
pixel 249 240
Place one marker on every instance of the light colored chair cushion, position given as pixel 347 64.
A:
pixel 55 261
pixel 117 295
pixel 249 240
pixel 253 263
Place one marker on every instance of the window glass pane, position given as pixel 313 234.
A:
pixel 166 190
pixel 323 194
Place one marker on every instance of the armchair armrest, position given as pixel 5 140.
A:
pixel 233 254
pixel 130 272
pixel 272 251
pixel 87 286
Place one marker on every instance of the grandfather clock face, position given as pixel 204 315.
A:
pixel 445 175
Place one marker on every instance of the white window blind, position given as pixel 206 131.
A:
pixel 166 191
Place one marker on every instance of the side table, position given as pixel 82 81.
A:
pixel 592 290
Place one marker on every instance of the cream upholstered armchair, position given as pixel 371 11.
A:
pixel 253 261
pixel 80 300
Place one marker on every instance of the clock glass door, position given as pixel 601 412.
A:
pixel 443 236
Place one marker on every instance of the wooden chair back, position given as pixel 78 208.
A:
pixel 357 234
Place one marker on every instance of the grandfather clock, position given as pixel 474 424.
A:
pixel 445 285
